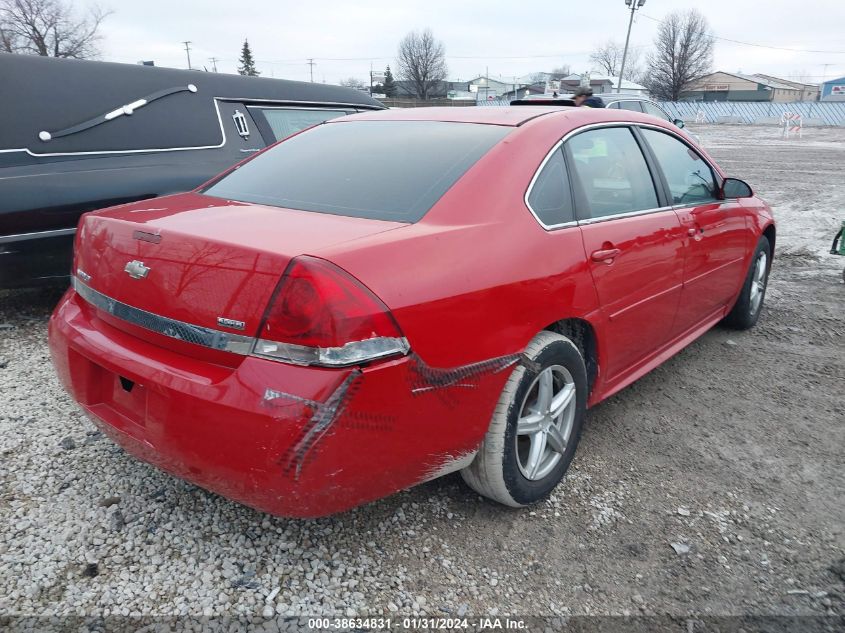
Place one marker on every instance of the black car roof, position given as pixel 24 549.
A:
pixel 47 96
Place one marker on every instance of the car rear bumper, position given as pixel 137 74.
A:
pixel 290 440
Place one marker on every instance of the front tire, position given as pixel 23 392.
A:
pixel 749 305
pixel 536 426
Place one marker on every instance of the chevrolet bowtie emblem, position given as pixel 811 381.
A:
pixel 136 269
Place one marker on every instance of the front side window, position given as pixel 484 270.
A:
pixel 383 170
pixel 550 197
pixel 689 176
pixel 612 172
pixel 286 121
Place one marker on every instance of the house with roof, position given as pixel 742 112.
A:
pixel 809 92
pixel 724 86
pixel 600 84
pixel 833 90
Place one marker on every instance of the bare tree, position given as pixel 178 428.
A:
pixel 683 53
pixel 352 82
pixel 608 59
pixel 561 71
pixel 422 61
pixel 801 76
pixel 49 28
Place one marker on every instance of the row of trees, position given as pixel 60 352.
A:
pixel 682 51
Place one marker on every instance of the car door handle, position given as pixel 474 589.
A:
pixel 605 255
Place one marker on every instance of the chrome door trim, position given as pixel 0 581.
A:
pixel 615 216
pixel 20 237
pixel 627 214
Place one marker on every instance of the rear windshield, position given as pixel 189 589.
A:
pixel 383 170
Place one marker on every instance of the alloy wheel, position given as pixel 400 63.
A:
pixel 545 423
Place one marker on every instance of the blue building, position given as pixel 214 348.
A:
pixel 833 90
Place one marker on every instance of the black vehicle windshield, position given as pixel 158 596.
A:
pixel 384 170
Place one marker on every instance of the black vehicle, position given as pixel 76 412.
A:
pixel 81 135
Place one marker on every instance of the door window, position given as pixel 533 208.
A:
pixel 286 121
pixel 550 198
pixel 689 176
pixel 612 172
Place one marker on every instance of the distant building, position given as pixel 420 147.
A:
pixel 722 86
pixel 809 92
pixel 478 89
pixel 523 92
pixel 601 84
pixel 833 90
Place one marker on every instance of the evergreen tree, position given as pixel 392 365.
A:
pixel 389 86
pixel 247 63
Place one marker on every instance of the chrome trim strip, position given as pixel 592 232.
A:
pixel 19 237
pixel 206 337
pixel 627 214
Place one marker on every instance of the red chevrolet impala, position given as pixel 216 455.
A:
pixel 392 296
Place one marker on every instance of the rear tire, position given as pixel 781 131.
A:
pixel 749 304
pixel 536 426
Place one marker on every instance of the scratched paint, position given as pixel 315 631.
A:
pixel 319 418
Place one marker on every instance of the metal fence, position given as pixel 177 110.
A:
pixel 813 112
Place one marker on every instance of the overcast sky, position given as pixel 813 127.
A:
pixel 508 37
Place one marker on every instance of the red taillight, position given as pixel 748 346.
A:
pixel 321 315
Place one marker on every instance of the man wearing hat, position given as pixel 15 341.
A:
pixel 584 97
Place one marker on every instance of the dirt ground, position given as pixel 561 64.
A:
pixel 713 486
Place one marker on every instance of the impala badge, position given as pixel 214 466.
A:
pixel 231 323
pixel 136 269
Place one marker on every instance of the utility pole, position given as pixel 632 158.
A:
pixel 188 52
pixel 311 63
pixel 633 5
pixel 213 61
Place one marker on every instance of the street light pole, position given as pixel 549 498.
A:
pixel 634 5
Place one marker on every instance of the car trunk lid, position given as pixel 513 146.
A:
pixel 200 260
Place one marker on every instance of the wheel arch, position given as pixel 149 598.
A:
pixel 582 333
pixel 770 233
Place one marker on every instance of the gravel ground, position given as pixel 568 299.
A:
pixel 714 485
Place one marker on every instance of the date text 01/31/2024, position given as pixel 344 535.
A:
pixel 418 623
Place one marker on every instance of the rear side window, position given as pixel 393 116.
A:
pixel 630 105
pixel 612 172
pixel 653 110
pixel 550 198
pixel 689 176
pixel 384 170
pixel 286 121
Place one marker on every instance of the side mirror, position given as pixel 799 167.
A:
pixel 679 123
pixel 736 188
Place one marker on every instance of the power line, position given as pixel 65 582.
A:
pixel 777 48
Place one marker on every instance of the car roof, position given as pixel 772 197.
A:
pixel 512 116
pixel 490 115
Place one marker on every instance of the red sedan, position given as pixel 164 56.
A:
pixel 396 295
